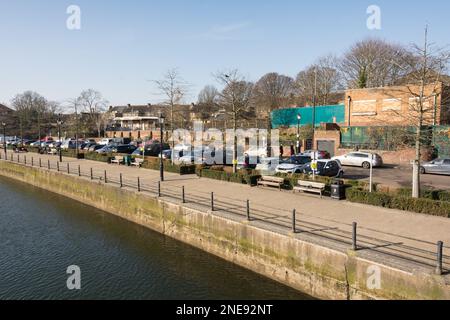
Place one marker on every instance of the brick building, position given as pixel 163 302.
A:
pixel 395 106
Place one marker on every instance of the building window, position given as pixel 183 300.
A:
pixel 392 104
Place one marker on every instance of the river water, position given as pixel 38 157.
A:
pixel 41 234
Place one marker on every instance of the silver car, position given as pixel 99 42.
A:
pixel 360 159
pixel 438 166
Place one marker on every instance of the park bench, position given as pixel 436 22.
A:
pixel 137 162
pixel 271 181
pixel 117 159
pixel 310 186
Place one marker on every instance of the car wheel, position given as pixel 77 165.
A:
pixel 422 170
pixel 366 165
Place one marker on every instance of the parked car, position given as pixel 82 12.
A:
pixel 123 148
pixel 360 159
pixel 152 150
pixel 325 168
pixel 268 165
pixel 95 147
pixel 318 154
pixel 438 166
pixel 293 165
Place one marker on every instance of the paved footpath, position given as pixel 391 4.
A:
pixel 402 236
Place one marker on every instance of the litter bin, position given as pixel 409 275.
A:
pixel 338 190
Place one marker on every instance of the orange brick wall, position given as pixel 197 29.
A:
pixel 374 107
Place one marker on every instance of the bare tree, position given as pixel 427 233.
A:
pixel 174 88
pixel 30 107
pixel 208 101
pixel 272 90
pixel 426 71
pixel 92 102
pixel 235 98
pixel 316 83
pixel 374 63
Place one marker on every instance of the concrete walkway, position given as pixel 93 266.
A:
pixel 403 237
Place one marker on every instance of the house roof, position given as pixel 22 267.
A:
pixel 5 109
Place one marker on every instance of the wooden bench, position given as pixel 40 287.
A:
pixel 137 162
pixel 271 181
pixel 310 186
pixel 117 159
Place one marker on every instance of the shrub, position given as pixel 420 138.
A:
pixel 70 153
pixel 98 157
pixel 249 177
pixel 396 201
pixel 441 195
pixel 153 164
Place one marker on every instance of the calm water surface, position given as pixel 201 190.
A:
pixel 41 234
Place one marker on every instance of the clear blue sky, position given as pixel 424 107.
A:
pixel 122 45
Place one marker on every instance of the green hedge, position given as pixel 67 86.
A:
pixel 98 157
pixel 439 195
pixel 153 164
pixel 242 177
pixel 395 201
pixel 71 153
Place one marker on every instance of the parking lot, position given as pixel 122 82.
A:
pixel 397 176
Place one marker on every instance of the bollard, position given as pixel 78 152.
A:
pixel 92 175
pixel 68 168
pixel 48 164
pixel 57 166
pixel 159 188
pixel 248 210
pixel 25 159
pixel 121 184
pixel 354 246
pixel 139 184
pixel 106 178
pixel 440 246
pixel 212 201
pixel 294 228
pixel 183 196
pixel 79 171
pixel 40 163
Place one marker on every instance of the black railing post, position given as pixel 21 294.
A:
pixel 440 246
pixel 40 163
pixel 248 210
pixel 18 158
pixel 106 177
pixel 183 195
pixel 354 235
pixel 139 184
pixel 32 161
pixel 121 183
pixel 68 168
pixel 212 201
pixel 92 175
pixel 159 188
pixel 79 171
pixel 25 159
pixel 294 217
pixel 48 164
pixel 57 166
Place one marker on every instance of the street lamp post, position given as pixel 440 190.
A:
pixel 59 137
pixel 161 162
pixel 299 118
pixel 4 137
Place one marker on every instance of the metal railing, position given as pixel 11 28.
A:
pixel 290 221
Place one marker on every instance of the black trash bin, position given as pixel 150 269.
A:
pixel 338 190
